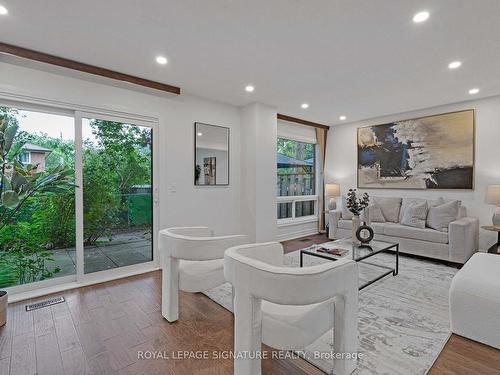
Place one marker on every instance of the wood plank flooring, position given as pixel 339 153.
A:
pixel 462 356
pixel 101 330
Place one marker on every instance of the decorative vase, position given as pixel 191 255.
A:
pixel 3 307
pixel 366 216
pixel 356 223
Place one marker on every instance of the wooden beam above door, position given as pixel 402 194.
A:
pixel 302 122
pixel 86 68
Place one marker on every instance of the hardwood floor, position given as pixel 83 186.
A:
pixel 104 328
pixel 462 356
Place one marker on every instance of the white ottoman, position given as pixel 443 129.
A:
pixel 475 300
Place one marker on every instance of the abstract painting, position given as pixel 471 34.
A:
pixel 433 152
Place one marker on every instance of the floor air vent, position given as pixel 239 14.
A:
pixel 304 239
pixel 49 302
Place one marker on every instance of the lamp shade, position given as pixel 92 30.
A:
pixel 332 190
pixel 493 195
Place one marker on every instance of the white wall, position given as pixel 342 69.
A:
pixel 341 159
pixel 296 230
pixel 181 203
pixel 258 173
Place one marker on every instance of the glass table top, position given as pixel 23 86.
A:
pixel 353 251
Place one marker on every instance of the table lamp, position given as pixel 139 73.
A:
pixel 332 191
pixel 493 197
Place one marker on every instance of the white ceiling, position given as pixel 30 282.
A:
pixel 361 58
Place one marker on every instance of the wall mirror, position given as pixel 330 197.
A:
pixel 211 154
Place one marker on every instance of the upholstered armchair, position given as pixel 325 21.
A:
pixel 192 260
pixel 288 308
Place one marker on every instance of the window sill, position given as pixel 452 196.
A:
pixel 302 220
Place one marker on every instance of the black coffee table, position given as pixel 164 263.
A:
pixel 358 253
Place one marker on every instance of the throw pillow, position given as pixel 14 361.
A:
pixel 346 214
pixel 409 202
pixel 375 214
pixel 440 217
pixel 435 202
pixel 415 215
pixel 390 207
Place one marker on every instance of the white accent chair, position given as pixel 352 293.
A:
pixel 288 308
pixel 192 260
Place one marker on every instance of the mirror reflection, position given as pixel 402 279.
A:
pixel 211 154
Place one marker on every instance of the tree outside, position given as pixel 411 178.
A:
pixel 295 176
pixel 37 213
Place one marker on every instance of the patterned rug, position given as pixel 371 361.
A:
pixel 403 320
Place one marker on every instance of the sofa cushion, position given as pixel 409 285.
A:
pixel 415 215
pixel 411 201
pixel 390 207
pixel 440 217
pixel 426 234
pixel 375 214
pixel 378 228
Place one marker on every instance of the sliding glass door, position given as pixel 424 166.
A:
pixel 76 196
pixel 37 197
pixel 117 194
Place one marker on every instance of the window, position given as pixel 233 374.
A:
pixel 24 157
pixel 296 179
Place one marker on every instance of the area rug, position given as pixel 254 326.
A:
pixel 403 320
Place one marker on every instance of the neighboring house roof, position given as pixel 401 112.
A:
pixel 288 162
pixel 35 148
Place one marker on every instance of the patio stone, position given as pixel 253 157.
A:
pixel 126 249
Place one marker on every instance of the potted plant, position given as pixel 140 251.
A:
pixel 197 173
pixel 19 183
pixel 356 205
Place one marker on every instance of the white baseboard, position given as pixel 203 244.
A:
pixel 25 295
pixel 298 234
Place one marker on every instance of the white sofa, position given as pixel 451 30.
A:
pixel 475 300
pixel 455 245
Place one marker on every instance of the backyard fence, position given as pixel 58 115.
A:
pixel 295 185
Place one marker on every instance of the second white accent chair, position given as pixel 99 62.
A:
pixel 192 260
pixel 288 308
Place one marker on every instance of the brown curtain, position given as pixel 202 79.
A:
pixel 321 135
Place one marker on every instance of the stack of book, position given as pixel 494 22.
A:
pixel 335 251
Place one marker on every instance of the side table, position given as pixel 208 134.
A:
pixel 495 249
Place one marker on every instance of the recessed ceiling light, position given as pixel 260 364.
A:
pixel 304 105
pixel 3 10
pixel 199 134
pixel 454 64
pixel 249 88
pixel 161 60
pixel 473 91
pixel 342 118
pixel 421 17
